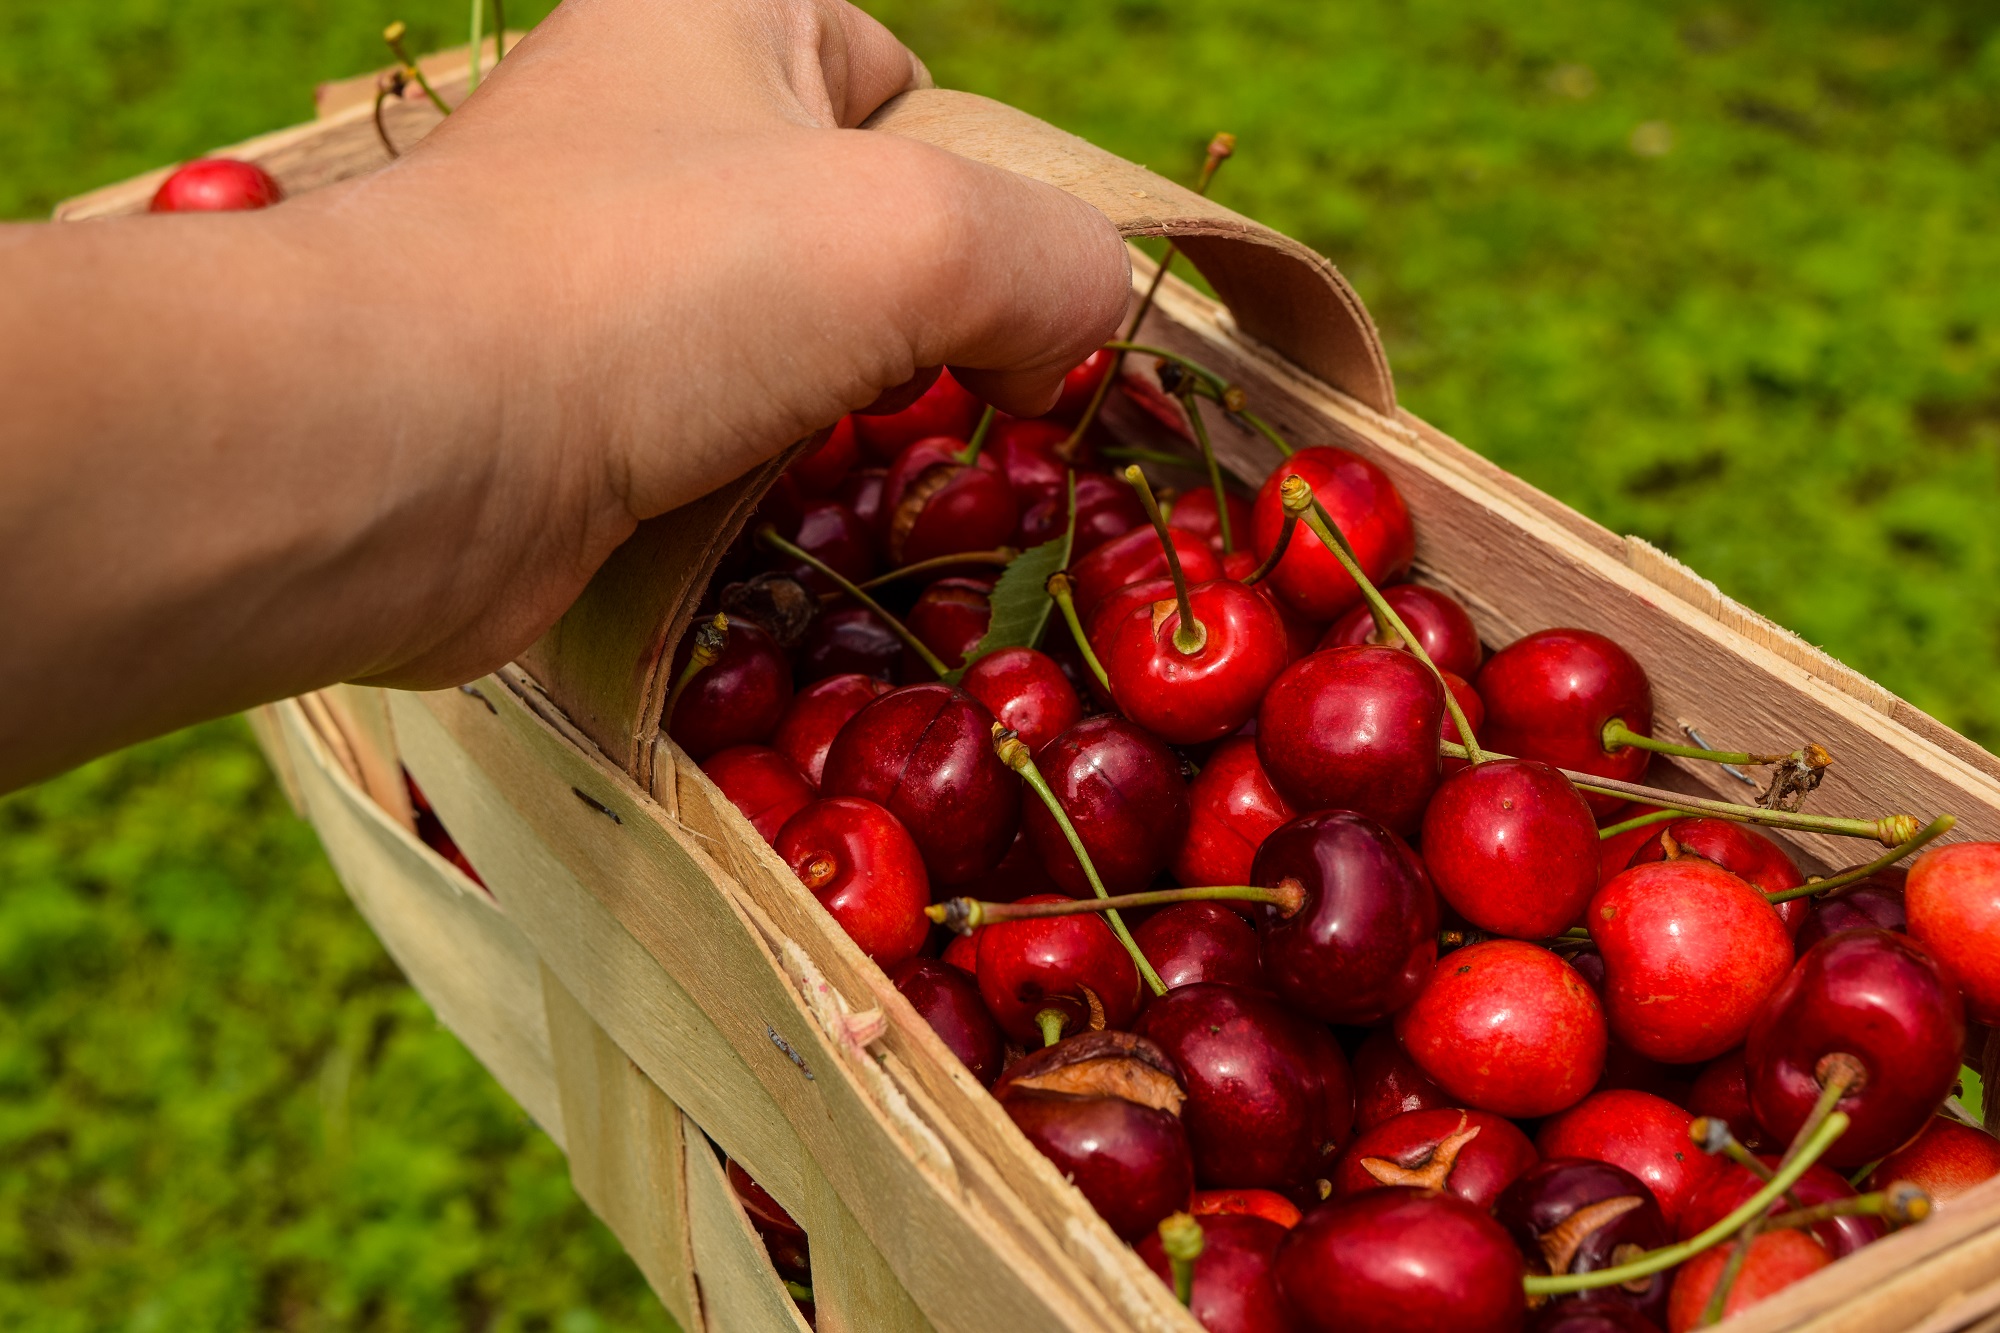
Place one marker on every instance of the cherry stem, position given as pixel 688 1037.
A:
pixel 1838 1073
pixel 1639 821
pixel 709 642
pixel 1190 634
pixel 1657 1261
pixel 1712 1135
pixel 768 536
pixel 1157 457
pixel 965 915
pixel 478 40
pixel 1387 621
pixel 1051 1022
pixel 1617 735
pixel 1014 754
pixel 999 555
pixel 499 30
pixel 1213 386
pixel 1059 587
pixel 798 1291
pixel 1182 1239
pixel 1732 1267
pixel 1193 410
pixel 970 453
pixel 390 84
pixel 1937 828
pixel 393 35
pixel 1901 1204
pixel 1296 500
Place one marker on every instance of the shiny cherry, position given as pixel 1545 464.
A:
pixel 850 640
pixel 1267 1204
pixel 1401 1260
pixel 1549 696
pixel 1026 691
pixel 1387 1082
pixel 949 618
pixel 1363 504
pixel 1198 687
pixel 1024 451
pixel 1511 845
pixel 761 782
pixel 1875 903
pixel 821 469
pixel 1190 943
pixel 1776 1259
pixel 216 185
pixel 865 870
pixel 1946 1160
pixel 1123 791
pixel 946 408
pixel 1474 708
pixel 1952 896
pixel 1195 513
pixel 1730 1186
pixel 735 700
pixel 963 954
pixel 1232 808
pixel 1133 558
pixel 1073 965
pixel 1080 384
pixel 1235 1288
pixel 1435 617
pixel 1722 1091
pixel 1614 854
pixel 835 534
pixel 1355 729
pixel 1741 850
pixel 816 715
pixel 1644 1134
pixel 1576 1215
pixel 1105 508
pixel 949 1001
pixel 944 508
pixel 1471 1154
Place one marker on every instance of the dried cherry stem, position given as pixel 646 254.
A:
pixel 1051 1022
pixel 1930 832
pixel 768 536
pixel 1193 410
pixel 1189 634
pixel 1060 588
pixel 1639 821
pixel 999 555
pixel 1014 754
pixel 964 915
pixel 709 642
pixel 1181 1238
pixel 393 35
pixel 1617 735
pixel 390 83
pixel 970 453
pixel 1658 1261
pixel 1296 500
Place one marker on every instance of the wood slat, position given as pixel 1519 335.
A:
pixel 740 1291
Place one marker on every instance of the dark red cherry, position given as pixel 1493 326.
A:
pixel 1508 1027
pixel 1080 384
pixel 1511 845
pixel 1071 964
pixel 1019 874
pixel 816 715
pixel 821 469
pixel 1190 943
pixel 1268 1204
pixel 1123 791
pixel 1235 1290
pixel 1400 1260
pixel 216 185
pixel 831 531
pixel 1134 558
pixel 735 700
pixel 1722 1091
pixel 946 408
pixel 1232 808
pixel 1881 999
pixel 1575 1215
pixel 1946 1160
pixel 1625 1068
pixel 1439 622
pixel 1105 508
pixel 1024 452
pixel 1194 513
pixel 919 458
pixel 1775 1260
pixel 949 1001
pixel 850 640
pixel 946 508
pixel 1644 1134
pixel 1730 1186
pixel 1192 697
pixel 1362 945
pixel 1876 903
pixel 1591 1316
pixel 1471 1154
pixel 1548 697
pixel 1363 504
pixel 761 782
pixel 1355 729
pixel 949 618
pixel 1026 691
pixel 865 870
pixel 926 753
pixel 1737 848
pixel 784 1239
pixel 1269 1097
pixel 1387 1082
pixel 783 505
pixel 862 492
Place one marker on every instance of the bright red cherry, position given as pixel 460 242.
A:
pixel 1471 1154
pixel 1026 691
pixel 1730 1186
pixel 761 782
pixel 963 954
pixel 1775 1261
pixel 946 408
pixel 942 508
pixel 1952 896
pixel 735 700
pixel 1232 808
pixel 1575 1215
pixel 1364 506
pixel 1105 508
pixel 1025 452
pixel 1877 997
pixel 1474 708
pixel 926 753
pixel 1508 1027
pixel 1875 903
pixel 1190 943
pixel 1399 1260
pixel 1511 845
pixel 1072 965
pixel 1267 1204
pixel 1737 848
pixel 865 870
pixel 1133 558
pixel 1362 945
pixel 850 640
pixel 816 715
pixel 1387 1082
pixel 1549 697
pixel 216 185
pixel 1690 953
pixel 1080 384
pixel 1435 617
pixel 821 469
pixel 1355 729
pixel 1235 1290
pixel 1722 1092
pixel 949 1001
pixel 1198 686
pixel 1644 1134
pixel 1614 854
pixel 1946 1160
pixel 1195 513
pixel 949 618
pixel 1123 791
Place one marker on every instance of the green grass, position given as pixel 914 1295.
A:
pixel 1772 348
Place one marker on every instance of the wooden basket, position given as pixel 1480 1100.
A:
pixel 648 977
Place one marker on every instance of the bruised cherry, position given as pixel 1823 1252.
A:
pixel 1776 1260
pixel 1511 845
pixel 216 185
pixel 1952 896
pixel 1124 794
pixel 949 618
pixel 1644 1134
pixel 1946 1160
pixel 850 640
pixel 1741 850
pixel 1575 1215
pixel 1232 808
pixel 1026 692
pixel 1435 617
pixel 1387 1082
pixel 1471 1154
pixel 735 700
pixel 865 870
pixel 1401 1260
pixel 946 408
pixel 949 1001
pixel 1235 1288
pixel 1355 729
pixel 1363 504
pixel 816 715
pixel 761 782
pixel 1072 966
pixel 944 508
pixel 1189 943
pixel 1550 695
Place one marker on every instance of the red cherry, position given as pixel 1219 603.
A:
pixel 1364 506
pixel 1439 622
pixel 1123 792
pixel 1875 903
pixel 1362 945
pixel 963 954
pixel 946 408
pixel 1060 963
pixel 1625 1068
pixel 933 507
pixel 1019 873
pixel 1189 698
pixel 949 618
pixel 1190 943
pixel 926 753
pixel 1690 953
pixel 1235 1290
pixel 816 715
pixel 1730 1186
pixel 865 870
pixel 821 469
pixel 1510 844
pixel 1471 1154
pixel 1507 1027
pixel 1080 384
pixel 862 492
pixel 1474 708
pixel 1027 692
pixel 1946 1160
pixel 1024 452
pixel 850 640
pixel 1549 696
pixel 762 783
pixel 949 1001
pixel 1267 1204
pixel 1387 1082
pixel 1355 729
pixel 1722 1092
pixel 1194 513
pixel 1644 1134
pixel 1775 1261
pixel 1401 1260
pixel 1556 1215
pixel 1952 896
pixel 1614 854
pixel 784 1239
pixel 1133 558
pixel 735 700
pixel 831 531
pixel 1232 808
pixel 216 185
pixel 1879 998
pixel 1737 848
pixel 1105 508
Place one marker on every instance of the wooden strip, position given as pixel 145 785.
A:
pixel 854 1291
pixel 269 731
pixel 362 715
pixel 740 1291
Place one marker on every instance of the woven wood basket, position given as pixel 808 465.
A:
pixel 647 977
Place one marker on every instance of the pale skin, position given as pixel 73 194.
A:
pixel 386 431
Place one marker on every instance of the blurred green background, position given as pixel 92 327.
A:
pixel 1724 277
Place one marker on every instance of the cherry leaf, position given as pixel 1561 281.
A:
pixel 1020 599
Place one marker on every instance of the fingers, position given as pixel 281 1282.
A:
pixel 863 64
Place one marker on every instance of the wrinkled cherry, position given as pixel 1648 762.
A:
pixel 1511 845
pixel 1189 943
pixel 1387 1082
pixel 1550 695
pixel 1439 622
pixel 1471 1154
pixel 816 715
pixel 1363 504
pixel 1575 1215
pixel 865 870
pixel 1355 729
pixel 1026 692
pixel 735 700
pixel 949 1001
pixel 1071 965
pixel 1124 794
pixel 216 185
pixel 1232 808
pixel 1400 1260
pixel 761 782
pixel 1644 1134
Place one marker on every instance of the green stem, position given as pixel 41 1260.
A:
pixel 1059 589
pixel 1157 457
pixel 1296 500
pixel 965 915
pixel 1732 1267
pixel 1618 735
pixel 1639 821
pixel 478 40
pixel 970 454
pixel 1189 634
pixel 1051 1022
pixel 1937 828
pixel 393 35
pixel 1181 1237
pixel 499 30
pixel 768 536
pixel 1002 556
pixel 1215 382
pixel 709 642
pixel 1193 410
pixel 1902 1203
pixel 798 1291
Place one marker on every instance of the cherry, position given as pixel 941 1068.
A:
pixel 1105 508
pixel 1878 998
pixel 735 700
pixel 1269 1097
pixel 1439 622
pixel 1072 966
pixel 862 492
pixel 949 618
pixel 1952 896
pixel 1232 808
pixel 1511 845
pixel 1026 691
pixel 1355 729
pixel 1550 695
pixel 1946 1160
pixel 1575 1215
pixel 850 640
pixel 1875 903
pixel 1135 557
pixel 1644 1134
pixel 431 832
pixel 1080 384
pixel 949 1001
pixel 1731 1185
pixel 1123 791
pixel 1737 848
pixel 1189 943
pixel 1267 1204
pixel 1722 1092
pixel 1591 1316
pixel 816 715
pixel 865 870
pixel 1624 1068
pixel 1474 708
pixel 1196 675
pixel 1025 452
pixel 1471 1154
pixel 935 508
pixel 926 753
pixel 784 1239
pixel 1019 873
pixel 1507 1027
pixel 216 185
pixel 821 469
pixel 1195 513
pixel 1234 1287
pixel 1387 1082
pixel 1614 854
pixel 1399 1260
pixel 946 408
pixel 832 532
pixel 963 954
pixel 761 782
pixel 1776 1260
pixel 1363 944
pixel 1690 953
pixel 1363 504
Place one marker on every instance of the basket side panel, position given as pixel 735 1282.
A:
pixel 740 1291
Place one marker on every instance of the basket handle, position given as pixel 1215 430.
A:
pixel 1279 292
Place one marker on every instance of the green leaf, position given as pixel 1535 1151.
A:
pixel 1020 600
